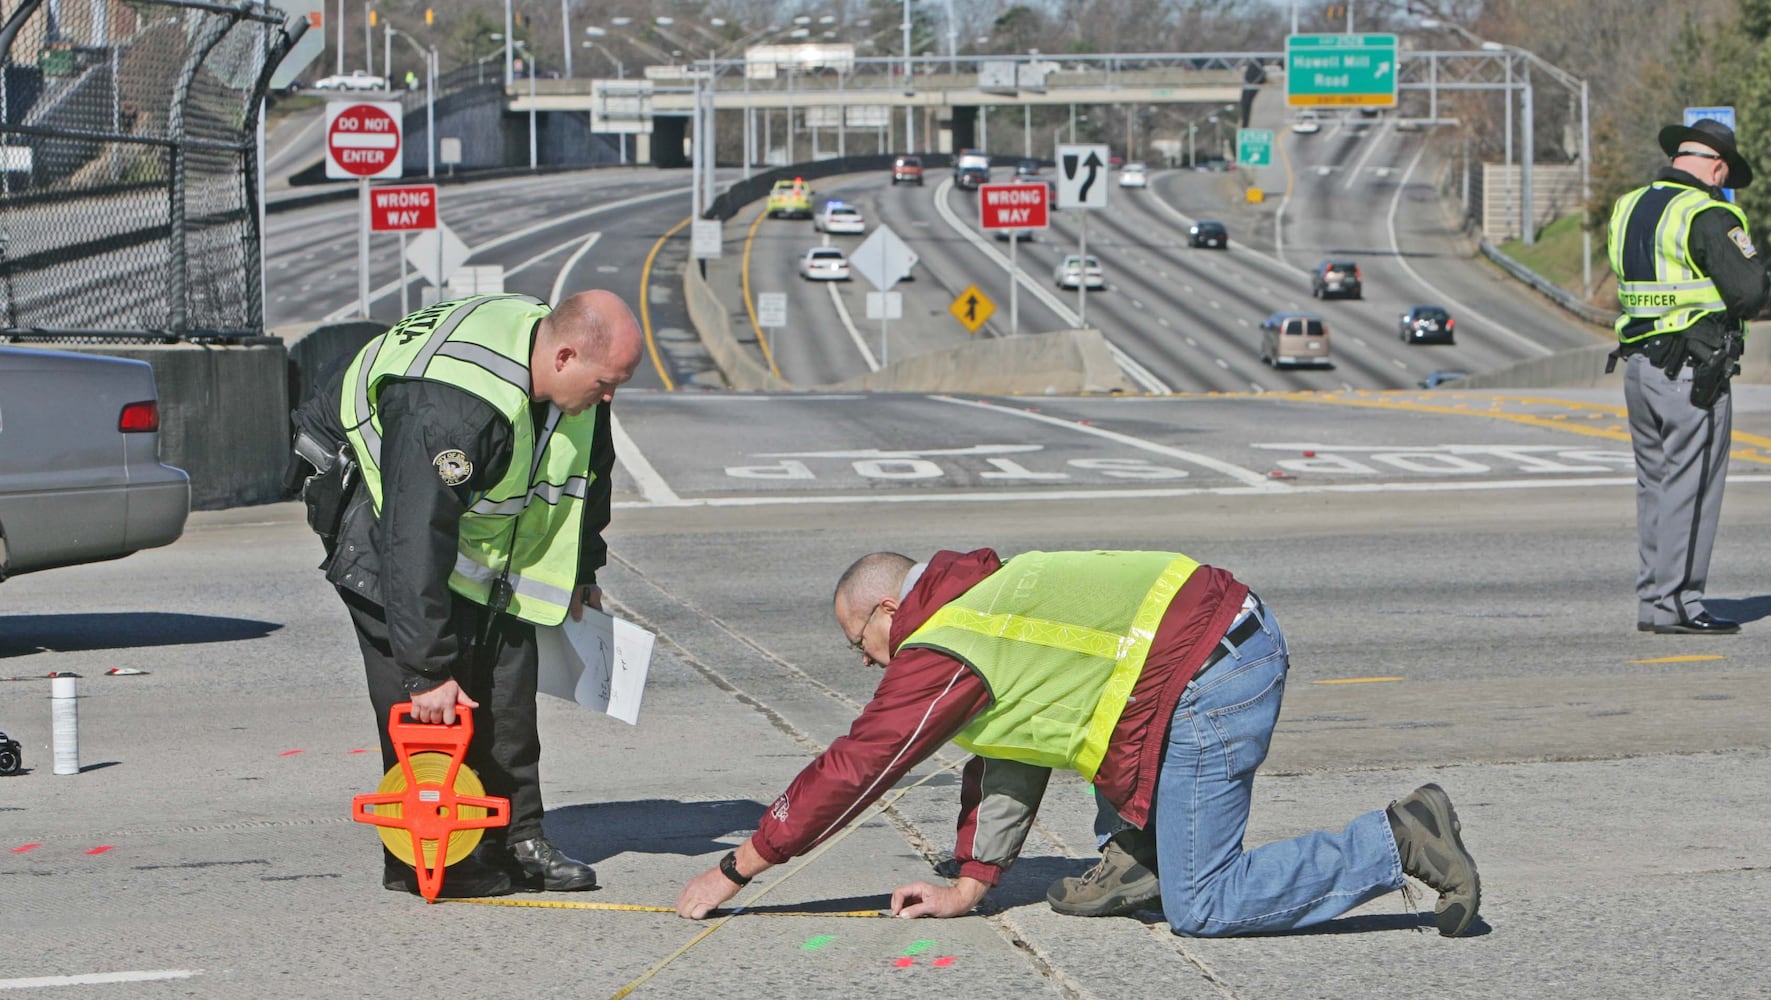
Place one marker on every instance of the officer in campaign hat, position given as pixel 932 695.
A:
pixel 1688 279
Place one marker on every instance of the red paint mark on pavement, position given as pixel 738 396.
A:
pixel 289 753
pixel 944 961
pixel 100 849
pixel 361 750
pixel 22 848
pixel 905 963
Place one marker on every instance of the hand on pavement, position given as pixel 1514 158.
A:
pixel 920 899
pixel 704 893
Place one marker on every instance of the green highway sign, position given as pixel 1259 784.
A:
pixel 1254 147
pixel 1340 71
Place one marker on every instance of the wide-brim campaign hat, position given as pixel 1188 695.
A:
pixel 1716 136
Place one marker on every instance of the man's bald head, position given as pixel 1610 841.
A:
pixel 586 348
pixel 871 579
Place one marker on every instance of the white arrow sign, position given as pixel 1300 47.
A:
pixel 1082 176
pixel 883 259
pixel 423 253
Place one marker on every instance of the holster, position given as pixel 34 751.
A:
pixel 1714 354
pixel 326 491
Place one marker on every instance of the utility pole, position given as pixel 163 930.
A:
pixel 566 35
pixel 340 37
pixel 509 27
pixel 909 86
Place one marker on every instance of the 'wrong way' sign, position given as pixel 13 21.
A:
pixel 403 209
pixel 1012 206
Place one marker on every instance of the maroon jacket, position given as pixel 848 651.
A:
pixel 925 698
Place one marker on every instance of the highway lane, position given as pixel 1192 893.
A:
pixel 552 234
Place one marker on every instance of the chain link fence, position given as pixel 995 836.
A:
pixel 128 164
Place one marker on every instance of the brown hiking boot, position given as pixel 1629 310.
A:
pixel 1124 882
pixel 1428 839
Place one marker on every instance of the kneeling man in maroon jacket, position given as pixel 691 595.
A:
pixel 1156 677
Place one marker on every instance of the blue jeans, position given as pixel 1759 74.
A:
pixel 1211 887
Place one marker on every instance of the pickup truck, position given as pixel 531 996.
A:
pixel 356 79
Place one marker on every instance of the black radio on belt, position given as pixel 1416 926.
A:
pixel 501 595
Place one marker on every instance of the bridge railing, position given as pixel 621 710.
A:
pixel 128 141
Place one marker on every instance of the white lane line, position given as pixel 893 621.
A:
pixel 1225 365
pixel 559 283
pixel 393 286
pixel 98 978
pixel 1370 148
pixel 1128 364
pixel 1396 245
pixel 842 311
pixel 1398 364
pixel 1192 343
pixel 1236 472
pixel 1242 320
pixel 1214 304
pixel 1256 386
pixel 1279 266
pixel 652 486
pixel 1360 342
pixel 1266 488
pixel 1163 320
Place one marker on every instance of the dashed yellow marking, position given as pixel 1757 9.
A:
pixel 1695 658
pixel 1360 680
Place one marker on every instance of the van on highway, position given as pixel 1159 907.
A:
pixel 971 168
pixel 1290 339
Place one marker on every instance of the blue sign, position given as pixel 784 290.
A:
pixel 1725 115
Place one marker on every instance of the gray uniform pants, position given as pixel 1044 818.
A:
pixel 1681 465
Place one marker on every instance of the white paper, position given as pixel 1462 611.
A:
pixel 599 663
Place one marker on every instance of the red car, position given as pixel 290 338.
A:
pixel 907 170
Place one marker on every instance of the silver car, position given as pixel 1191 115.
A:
pixel 80 473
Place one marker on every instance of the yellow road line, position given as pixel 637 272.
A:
pixel 1553 422
pixel 1695 658
pixel 1360 680
pixel 749 302
pixel 554 904
pixel 646 304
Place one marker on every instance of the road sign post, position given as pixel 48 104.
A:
pixel 1082 183
pixel 883 259
pixel 363 141
pixel 1340 71
pixel 1016 208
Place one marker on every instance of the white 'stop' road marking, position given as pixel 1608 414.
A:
pixel 98 978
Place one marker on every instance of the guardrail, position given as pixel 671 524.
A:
pixel 1555 292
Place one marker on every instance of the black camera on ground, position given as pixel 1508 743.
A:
pixel 12 759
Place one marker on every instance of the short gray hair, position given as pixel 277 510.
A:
pixel 873 577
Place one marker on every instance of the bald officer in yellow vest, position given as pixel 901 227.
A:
pixel 1688 278
pixel 478 429
pixel 1157 678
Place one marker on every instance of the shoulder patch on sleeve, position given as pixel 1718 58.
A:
pixel 453 468
pixel 1743 241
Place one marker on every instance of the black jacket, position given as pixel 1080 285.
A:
pixel 402 560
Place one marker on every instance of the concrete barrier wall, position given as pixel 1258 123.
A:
pixel 713 322
pixel 1585 366
pixel 224 416
pixel 313 347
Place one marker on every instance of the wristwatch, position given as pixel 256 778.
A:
pixel 728 866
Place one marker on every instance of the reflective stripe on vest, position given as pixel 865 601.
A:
pixel 482 346
pixel 1676 294
pixel 1061 639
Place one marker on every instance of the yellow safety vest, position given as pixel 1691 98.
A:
pixel 1061 639
pixel 528 523
pixel 1678 294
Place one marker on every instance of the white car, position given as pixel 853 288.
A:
pixel 836 217
pixel 824 264
pixel 1077 270
pixel 356 79
pixel 1307 123
pixel 1134 175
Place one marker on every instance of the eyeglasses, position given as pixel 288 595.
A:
pixel 858 642
pixel 1701 156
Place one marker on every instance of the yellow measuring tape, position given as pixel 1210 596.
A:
pixel 636 908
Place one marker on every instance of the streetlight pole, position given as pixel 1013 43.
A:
pixel 509 37
pixel 430 96
pixel 566 36
pixel 909 87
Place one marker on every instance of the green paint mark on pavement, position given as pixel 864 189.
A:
pixel 918 947
pixel 816 942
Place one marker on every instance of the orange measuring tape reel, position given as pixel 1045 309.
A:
pixel 430 797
